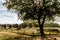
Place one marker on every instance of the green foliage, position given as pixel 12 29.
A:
pixel 47 25
pixel 52 25
pixel 35 24
pixel 29 24
pixel 23 25
pixel 31 9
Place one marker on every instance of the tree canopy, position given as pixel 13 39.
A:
pixel 31 9
pixel 40 10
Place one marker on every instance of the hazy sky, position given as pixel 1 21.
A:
pixel 7 17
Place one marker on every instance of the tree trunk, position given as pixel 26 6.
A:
pixel 41 25
pixel 41 28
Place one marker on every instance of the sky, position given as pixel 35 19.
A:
pixel 7 17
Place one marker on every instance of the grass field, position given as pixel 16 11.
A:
pixel 9 34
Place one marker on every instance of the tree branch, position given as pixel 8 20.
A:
pixel 43 19
pixel 30 13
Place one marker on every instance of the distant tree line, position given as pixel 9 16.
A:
pixel 35 24
pixel 27 24
pixel 9 26
pixel 52 25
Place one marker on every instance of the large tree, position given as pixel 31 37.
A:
pixel 40 10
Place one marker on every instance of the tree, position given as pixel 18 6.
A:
pixel 40 10
pixel 23 25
